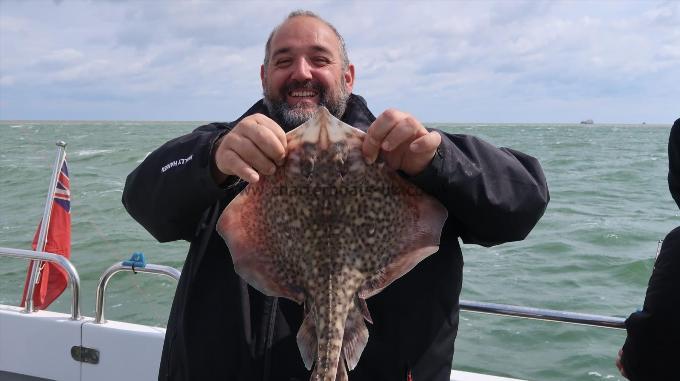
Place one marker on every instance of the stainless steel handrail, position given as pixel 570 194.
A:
pixel 543 314
pixel 118 267
pixel 73 278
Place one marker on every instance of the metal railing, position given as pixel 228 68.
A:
pixel 543 314
pixel 119 267
pixel 73 278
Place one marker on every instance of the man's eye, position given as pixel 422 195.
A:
pixel 283 62
pixel 321 60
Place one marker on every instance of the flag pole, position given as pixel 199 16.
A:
pixel 44 225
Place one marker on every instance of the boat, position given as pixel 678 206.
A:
pixel 82 348
pixel 587 121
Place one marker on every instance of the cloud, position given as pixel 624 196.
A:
pixel 443 61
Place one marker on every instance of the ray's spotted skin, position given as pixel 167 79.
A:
pixel 349 230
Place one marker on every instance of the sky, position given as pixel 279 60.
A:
pixel 448 61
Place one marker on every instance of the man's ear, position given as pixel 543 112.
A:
pixel 262 75
pixel 349 77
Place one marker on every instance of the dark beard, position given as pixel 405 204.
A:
pixel 290 117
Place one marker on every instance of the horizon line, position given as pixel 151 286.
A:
pixel 423 122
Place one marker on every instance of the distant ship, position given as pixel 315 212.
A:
pixel 587 121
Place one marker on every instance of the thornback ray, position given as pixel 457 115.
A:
pixel 329 230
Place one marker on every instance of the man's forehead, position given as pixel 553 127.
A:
pixel 304 32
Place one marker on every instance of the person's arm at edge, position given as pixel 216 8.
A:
pixel 653 334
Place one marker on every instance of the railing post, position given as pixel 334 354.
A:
pixel 44 225
pixel 73 277
pixel 118 267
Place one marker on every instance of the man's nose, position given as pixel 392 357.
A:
pixel 302 70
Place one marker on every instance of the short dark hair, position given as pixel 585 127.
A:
pixel 303 13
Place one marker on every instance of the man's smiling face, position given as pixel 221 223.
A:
pixel 305 69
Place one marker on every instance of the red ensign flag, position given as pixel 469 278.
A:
pixel 53 280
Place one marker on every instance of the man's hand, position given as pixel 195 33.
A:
pixel 619 363
pixel 406 144
pixel 254 147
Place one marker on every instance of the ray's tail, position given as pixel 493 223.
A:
pixel 330 330
pixel 334 344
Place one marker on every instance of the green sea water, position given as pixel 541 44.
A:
pixel 592 252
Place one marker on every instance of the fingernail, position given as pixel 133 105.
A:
pixel 386 146
pixel 414 147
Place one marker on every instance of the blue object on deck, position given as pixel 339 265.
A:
pixel 137 260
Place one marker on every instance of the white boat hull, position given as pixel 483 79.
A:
pixel 37 347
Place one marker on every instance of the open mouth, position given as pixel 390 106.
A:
pixel 302 93
pixel 303 97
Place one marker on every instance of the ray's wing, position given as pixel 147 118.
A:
pixel 418 240
pixel 253 253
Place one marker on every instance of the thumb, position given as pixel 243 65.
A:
pixel 426 143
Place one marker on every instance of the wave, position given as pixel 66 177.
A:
pixel 91 152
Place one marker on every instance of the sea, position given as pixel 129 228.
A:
pixel 592 252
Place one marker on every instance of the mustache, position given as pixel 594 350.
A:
pixel 307 85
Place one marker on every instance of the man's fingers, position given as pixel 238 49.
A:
pixel 251 149
pixel 619 363
pixel 272 126
pixel 403 131
pixel 240 168
pixel 376 133
pixel 254 157
pixel 426 143
pixel 370 149
pixel 382 126
pixel 267 142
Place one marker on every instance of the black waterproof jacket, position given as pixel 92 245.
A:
pixel 653 343
pixel 221 329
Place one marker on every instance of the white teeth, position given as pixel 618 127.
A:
pixel 302 93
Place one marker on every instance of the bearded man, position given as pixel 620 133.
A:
pixel 221 328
